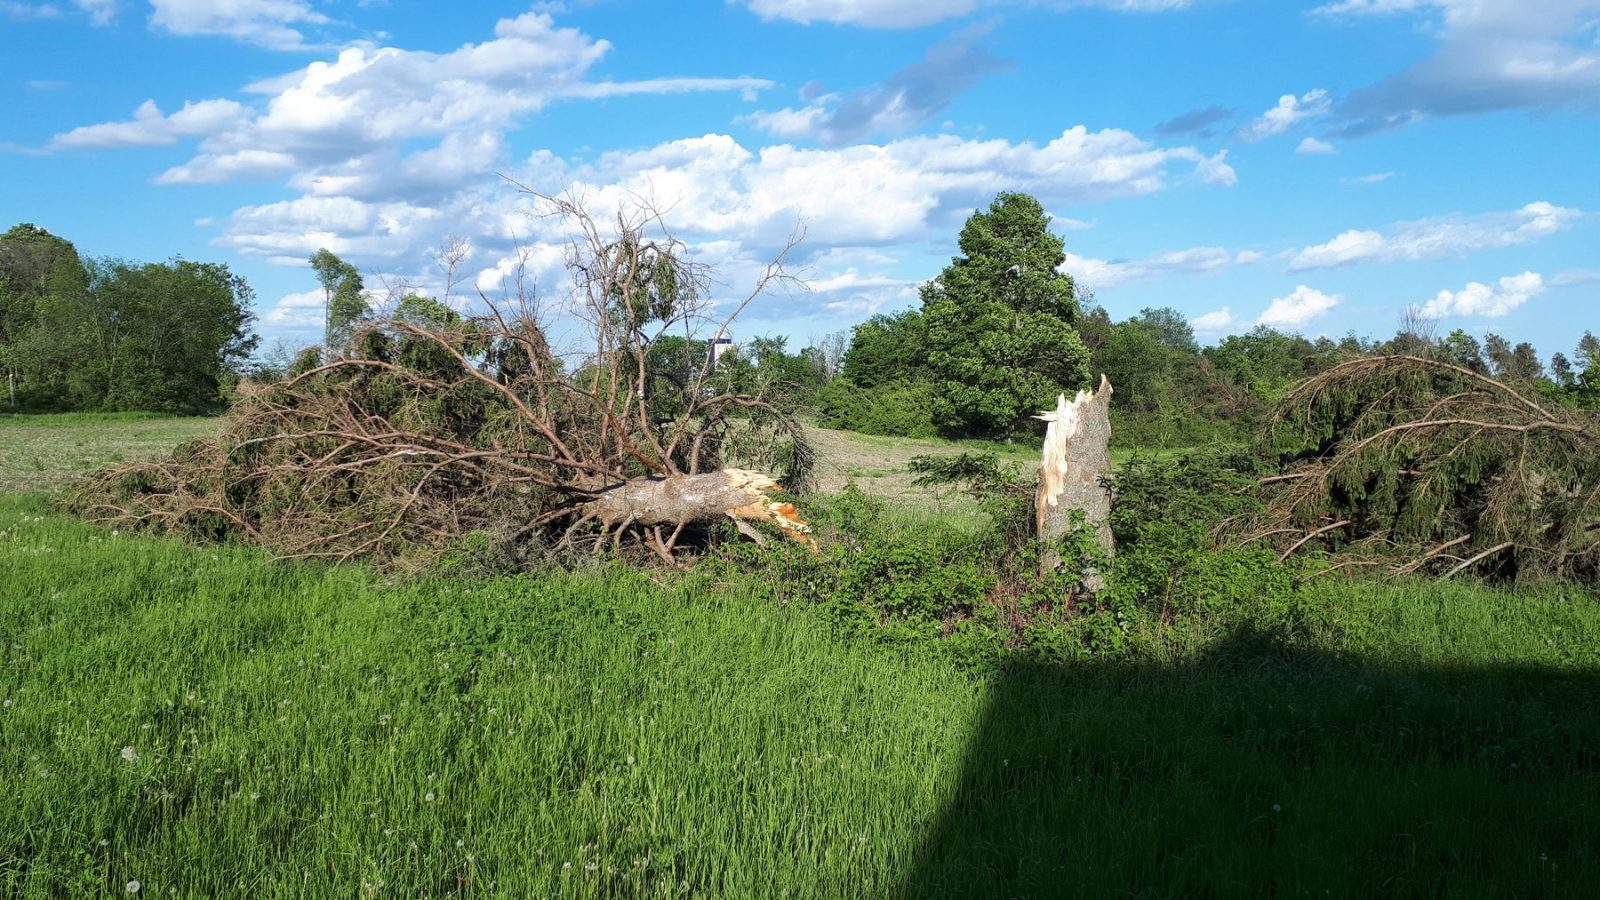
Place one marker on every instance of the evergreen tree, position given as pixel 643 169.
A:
pixel 1001 341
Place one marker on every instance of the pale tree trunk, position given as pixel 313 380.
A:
pixel 677 500
pixel 1074 474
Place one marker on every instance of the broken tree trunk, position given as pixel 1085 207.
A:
pixel 1073 474
pixel 677 500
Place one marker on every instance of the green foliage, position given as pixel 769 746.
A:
pixel 1167 393
pixel 344 297
pixel 1267 363
pixel 763 367
pixel 999 319
pixel 895 408
pixel 114 335
pixel 887 348
pixel 158 336
pixel 978 595
pixel 1427 466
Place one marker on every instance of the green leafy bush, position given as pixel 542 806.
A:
pixel 895 409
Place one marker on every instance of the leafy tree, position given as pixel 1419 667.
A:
pixel 1170 327
pixel 1525 364
pixel 1264 361
pixel 1497 350
pixel 887 348
pixel 1588 353
pixel 1561 370
pixel 156 336
pixel 999 318
pixel 1463 350
pixel 1094 325
pixel 34 264
pixel 345 302
pixel 1141 366
pixel 827 354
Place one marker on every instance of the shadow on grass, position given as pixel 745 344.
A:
pixel 1268 771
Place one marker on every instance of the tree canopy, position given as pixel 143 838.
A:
pixel 113 334
pixel 344 297
pixel 1001 342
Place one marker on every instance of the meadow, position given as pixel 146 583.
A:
pixel 201 721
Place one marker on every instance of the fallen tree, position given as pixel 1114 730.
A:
pixel 1417 465
pixel 433 430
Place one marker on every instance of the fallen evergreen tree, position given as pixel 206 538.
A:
pixel 1416 465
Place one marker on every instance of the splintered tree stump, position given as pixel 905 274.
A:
pixel 1073 475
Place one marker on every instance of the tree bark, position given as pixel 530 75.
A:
pixel 1074 475
pixel 738 494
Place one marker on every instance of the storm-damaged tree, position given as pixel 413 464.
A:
pixel 1420 465
pixel 434 430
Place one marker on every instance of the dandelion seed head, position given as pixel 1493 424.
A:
pixel 129 754
pixel 133 886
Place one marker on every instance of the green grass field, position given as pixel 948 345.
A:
pixel 44 452
pixel 209 723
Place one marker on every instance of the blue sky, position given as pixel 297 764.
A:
pixel 1318 166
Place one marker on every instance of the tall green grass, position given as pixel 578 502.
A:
pixel 211 724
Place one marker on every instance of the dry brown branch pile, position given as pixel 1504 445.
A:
pixel 1415 465
pixel 434 431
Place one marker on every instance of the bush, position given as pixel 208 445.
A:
pixel 916 580
pixel 895 409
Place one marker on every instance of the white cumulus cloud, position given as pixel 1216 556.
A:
pixel 1214 322
pixel 1487 300
pixel 269 23
pixel 149 127
pixel 1300 307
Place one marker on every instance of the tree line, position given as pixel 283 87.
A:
pixel 110 334
pixel 1001 330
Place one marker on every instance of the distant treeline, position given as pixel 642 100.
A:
pixel 1000 330
pixel 109 334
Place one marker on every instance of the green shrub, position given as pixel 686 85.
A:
pixel 895 409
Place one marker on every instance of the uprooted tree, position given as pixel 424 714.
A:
pixel 1418 465
pixel 430 428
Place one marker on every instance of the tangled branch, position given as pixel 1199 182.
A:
pixel 1429 467
pixel 432 430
